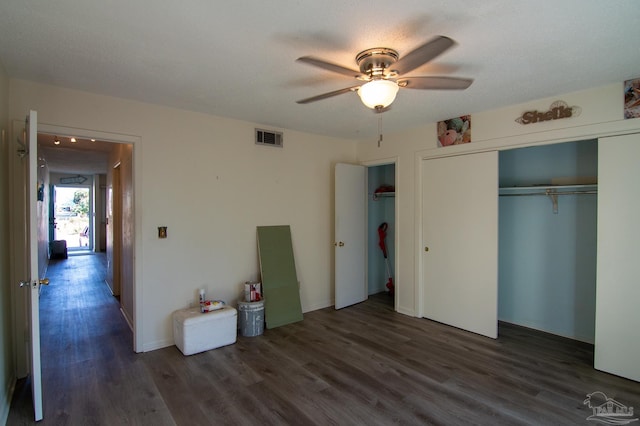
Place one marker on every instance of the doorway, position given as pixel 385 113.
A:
pixel 381 231
pixel 541 265
pixel 548 244
pixel 94 154
pixel 71 218
pixel 365 198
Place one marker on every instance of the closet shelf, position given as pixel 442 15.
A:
pixel 545 189
pixel 551 191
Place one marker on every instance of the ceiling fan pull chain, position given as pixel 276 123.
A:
pixel 379 129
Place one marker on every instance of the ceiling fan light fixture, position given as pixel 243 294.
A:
pixel 378 93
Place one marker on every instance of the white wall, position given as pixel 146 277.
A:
pixel 602 114
pixel 204 178
pixel 7 371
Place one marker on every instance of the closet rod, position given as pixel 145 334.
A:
pixel 552 194
pixel 549 193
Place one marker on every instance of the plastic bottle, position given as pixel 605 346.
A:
pixel 202 299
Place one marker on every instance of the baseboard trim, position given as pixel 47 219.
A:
pixel 6 402
pixel 406 311
pixel 317 306
pixel 126 318
pixel 158 344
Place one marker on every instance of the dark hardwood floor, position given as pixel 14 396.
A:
pixel 364 364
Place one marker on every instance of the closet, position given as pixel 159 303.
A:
pixel 547 238
pixel 460 241
pixel 380 209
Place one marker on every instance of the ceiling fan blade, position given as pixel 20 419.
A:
pixel 435 83
pixel 328 95
pixel 320 63
pixel 422 54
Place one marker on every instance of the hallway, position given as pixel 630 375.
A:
pixel 90 374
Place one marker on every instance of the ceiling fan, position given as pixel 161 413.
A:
pixel 381 70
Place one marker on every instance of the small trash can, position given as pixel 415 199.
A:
pixel 251 318
pixel 58 249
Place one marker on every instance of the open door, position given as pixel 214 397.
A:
pixel 114 230
pixel 617 347
pixel 460 236
pixel 33 282
pixel 350 235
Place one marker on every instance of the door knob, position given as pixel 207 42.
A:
pixel 43 281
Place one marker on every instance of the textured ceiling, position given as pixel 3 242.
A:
pixel 237 59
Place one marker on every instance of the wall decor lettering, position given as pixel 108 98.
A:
pixel 557 111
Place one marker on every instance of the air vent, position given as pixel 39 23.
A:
pixel 267 137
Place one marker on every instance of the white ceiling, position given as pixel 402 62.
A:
pixel 237 59
pixel 83 157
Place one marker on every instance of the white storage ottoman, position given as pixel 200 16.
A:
pixel 196 332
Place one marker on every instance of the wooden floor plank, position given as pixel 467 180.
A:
pixel 365 364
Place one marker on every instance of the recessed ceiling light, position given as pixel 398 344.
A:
pixel 73 140
pixel 93 140
pixel 56 141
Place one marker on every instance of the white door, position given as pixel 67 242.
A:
pixel 350 235
pixel 617 347
pixel 460 241
pixel 33 281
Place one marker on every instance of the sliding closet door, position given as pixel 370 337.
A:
pixel 617 346
pixel 460 239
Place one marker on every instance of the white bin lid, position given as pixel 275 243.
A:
pixel 251 306
pixel 194 316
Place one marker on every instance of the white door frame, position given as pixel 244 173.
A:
pixel 138 311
